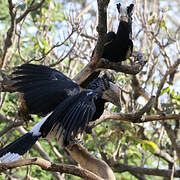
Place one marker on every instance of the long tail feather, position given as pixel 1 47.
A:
pixel 17 148
pixel 20 146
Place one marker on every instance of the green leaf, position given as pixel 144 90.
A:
pixel 163 25
pixel 165 90
pixel 149 145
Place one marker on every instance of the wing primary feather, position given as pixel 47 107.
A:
pixel 73 121
pixel 39 83
pixel 76 128
pixel 69 117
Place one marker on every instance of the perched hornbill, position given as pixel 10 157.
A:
pixel 68 110
pixel 118 46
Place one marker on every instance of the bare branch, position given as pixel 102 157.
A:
pixel 102 29
pixel 106 64
pixel 118 167
pixel 28 10
pixel 118 67
pixel 172 137
pixel 131 117
pixel 8 41
pixel 169 71
pixel 49 166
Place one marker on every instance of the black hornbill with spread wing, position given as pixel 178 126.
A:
pixel 118 46
pixel 68 110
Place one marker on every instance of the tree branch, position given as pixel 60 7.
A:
pixel 118 67
pixel 118 167
pixel 49 166
pixel 173 138
pixel 102 29
pixel 89 162
pixel 132 117
pixel 28 10
pixel 9 35
pixel 169 71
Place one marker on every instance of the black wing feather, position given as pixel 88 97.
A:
pixel 71 116
pixel 43 88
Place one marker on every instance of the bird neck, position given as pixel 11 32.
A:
pixel 124 30
pixel 99 91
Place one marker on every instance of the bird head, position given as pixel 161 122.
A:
pixel 125 11
pixel 110 91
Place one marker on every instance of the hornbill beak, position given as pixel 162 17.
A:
pixel 112 95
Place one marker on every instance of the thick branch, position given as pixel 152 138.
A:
pixel 84 73
pixel 118 67
pixel 162 117
pixel 49 166
pixel 132 116
pixel 102 29
pixel 118 167
pixel 89 162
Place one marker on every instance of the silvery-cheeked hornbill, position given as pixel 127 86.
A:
pixel 68 110
pixel 118 46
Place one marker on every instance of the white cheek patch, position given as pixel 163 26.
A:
pixel 9 157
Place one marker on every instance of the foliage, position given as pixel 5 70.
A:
pixel 124 142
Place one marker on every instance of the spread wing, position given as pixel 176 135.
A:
pixel 42 88
pixel 71 116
